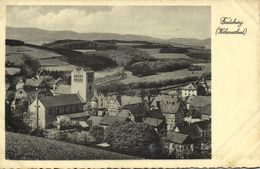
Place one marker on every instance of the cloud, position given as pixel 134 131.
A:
pixel 161 22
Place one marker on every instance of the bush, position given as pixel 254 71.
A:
pixel 131 138
pixel 142 69
pixel 97 133
pixel 78 138
pixel 64 123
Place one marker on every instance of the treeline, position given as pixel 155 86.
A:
pixel 124 89
pixel 151 68
pixel 173 50
pixel 152 46
pixel 79 44
pixel 12 42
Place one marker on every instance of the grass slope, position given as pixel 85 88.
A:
pixel 23 147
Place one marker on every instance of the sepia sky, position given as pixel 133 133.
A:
pixel 156 21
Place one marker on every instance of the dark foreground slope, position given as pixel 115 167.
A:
pixel 23 147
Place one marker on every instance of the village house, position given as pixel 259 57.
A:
pixel 135 112
pixel 193 131
pixel 126 100
pixel 40 84
pixel 45 109
pixel 113 105
pixel 173 108
pixel 102 100
pixel 178 144
pixel 189 90
pixel 200 106
pixel 204 128
pixel 20 84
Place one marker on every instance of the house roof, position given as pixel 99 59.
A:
pixel 61 100
pixel 178 138
pixel 108 120
pixel 152 121
pixel 63 89
pixel 203 125
pixel 189 129
pixel 138 110
pixel 200 101
pixel 130 100
pixel 76 115
pixel 188 87
pixel 34 82
pixel 94 120
pixel 156 113
pixel 83 124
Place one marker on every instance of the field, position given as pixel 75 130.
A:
pixel 48 60
pixel 23 147
pixel 155 53
pixel 167 75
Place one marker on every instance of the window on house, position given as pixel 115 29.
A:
pixel 21 92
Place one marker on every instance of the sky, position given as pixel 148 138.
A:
pixel 163 22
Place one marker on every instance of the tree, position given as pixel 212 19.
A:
pixel 32 64
pixel 132 138
pixel 142 69
pixel 97 133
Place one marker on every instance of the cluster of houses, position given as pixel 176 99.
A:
pixel 185 116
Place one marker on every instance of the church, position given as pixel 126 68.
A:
pixel 45 109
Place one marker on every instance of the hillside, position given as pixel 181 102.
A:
pixel 109 52
pixel 23 147
pixel 40 36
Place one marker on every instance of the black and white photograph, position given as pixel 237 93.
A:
pixel 107 82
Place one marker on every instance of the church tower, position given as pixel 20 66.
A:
pixel 82 82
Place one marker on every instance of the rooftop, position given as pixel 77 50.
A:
pixel 61 100
pixel 108 119
pixel 178 138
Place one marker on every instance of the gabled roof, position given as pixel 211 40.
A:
pixel 61 100
pixel 200 101
pixel 152 121
pixel 34 82
pixel 203 125
pixel 75 115
pixel 178 138
pixel 190 129
pixel 188 87
pixel 108 120
pixel 156 113
pixel 63 89
pixel 138 110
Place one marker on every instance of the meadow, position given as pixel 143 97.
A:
pixel 24 147
pixel 155 53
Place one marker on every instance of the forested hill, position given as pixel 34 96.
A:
pixel 40 36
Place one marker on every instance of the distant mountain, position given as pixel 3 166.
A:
pixel 39 36
pixel 35 35
pixel 191 41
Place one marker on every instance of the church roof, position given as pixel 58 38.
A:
pixel 61 100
